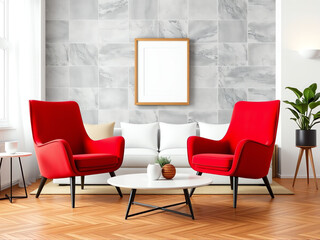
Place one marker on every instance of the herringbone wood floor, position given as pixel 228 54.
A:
pixel 102 217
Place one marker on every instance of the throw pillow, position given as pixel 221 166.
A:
pixel 213 131
pixel 140 135
pixel 99 131
pixel 176 135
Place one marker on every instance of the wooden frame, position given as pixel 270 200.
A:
pixel 162 51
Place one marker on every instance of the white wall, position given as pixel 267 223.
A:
pixel 300 29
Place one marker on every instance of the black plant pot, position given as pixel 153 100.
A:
pixel 306 138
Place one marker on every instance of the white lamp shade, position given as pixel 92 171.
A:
pixel 309 53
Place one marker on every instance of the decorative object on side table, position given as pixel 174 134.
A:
pixel 168 170
pixel 302 109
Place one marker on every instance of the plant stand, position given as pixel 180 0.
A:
pixel 308 152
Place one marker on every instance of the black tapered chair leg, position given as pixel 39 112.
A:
pixel 266 182
pixel 73 190
pixel 82 182
pixel 42 183
pixel 231 182
pixel 235 191
pixel 193 189
pixel 112 174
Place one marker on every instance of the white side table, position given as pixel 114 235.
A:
pixel 18 155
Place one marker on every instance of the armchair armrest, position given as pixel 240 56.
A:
pixel 198 145
pixel 252 159
pixel 54 159
pixel 112 145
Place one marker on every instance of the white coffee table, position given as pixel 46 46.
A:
pixel 141 181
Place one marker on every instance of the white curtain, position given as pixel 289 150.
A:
pixel 24 74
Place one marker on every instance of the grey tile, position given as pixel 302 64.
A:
pixel 232 9
pixel 233 54
pixel 203 54
pixel 111 77
pixel 246 76
pixel 203 77
pixel 262 11
pixel 232 31
pixel 255 94
pixel 89 116
pixel 113 9
pixel 131 77
pixel 114 115
pixel 57 77
pixel 173 116
pixel 203 31
pixel 176 9
pixel 57 9
pixel 110 98
pixel 262 54
pixel 116 55
pixel 143 29
pixel 57 94
pixel 83 31
pixel 229 96
pixel 114 31
pixel 173 29
pixel 224 116
pixel 143 9
pixel 203 99
pixel 83 9
pixel 261 32
pixel 83 54
pixel 143 116
pixel 203 116
pixel 57 54
pixel 203 9
pixel 84 76
pixel 57 31
pixel 87 98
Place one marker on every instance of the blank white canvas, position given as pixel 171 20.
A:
pixel 162 71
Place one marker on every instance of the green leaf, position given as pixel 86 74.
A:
pixel 296 91
pixel 313 105
pixel 295 106
pixel 294 119
pixel 315 123
pixel 316 97
pixel 308 94
pixel 316 116
pixel 313 87
pixel 294 113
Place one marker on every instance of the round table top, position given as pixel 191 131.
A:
pixel 17 154
pixel 141 181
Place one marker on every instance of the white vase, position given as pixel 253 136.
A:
pixel 154 171
pixel 11 147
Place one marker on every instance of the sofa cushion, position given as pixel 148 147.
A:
pixel 96 161
pixel 138 157
pixel 140 135
pixel 178 156
pixel 175 135
pixel 100 131
pixel 213 131
pixel 221 162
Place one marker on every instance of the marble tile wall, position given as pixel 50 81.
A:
pixel 90 55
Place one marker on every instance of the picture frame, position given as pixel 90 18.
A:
pixel 162 71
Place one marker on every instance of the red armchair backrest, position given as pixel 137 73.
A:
pixel 256 121
pixel 57 120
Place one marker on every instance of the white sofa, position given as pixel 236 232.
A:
pixel 136 160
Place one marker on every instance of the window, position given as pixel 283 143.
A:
pixel 3 63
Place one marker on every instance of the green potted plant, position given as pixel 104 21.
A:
pixel 302 109
pixel 168 170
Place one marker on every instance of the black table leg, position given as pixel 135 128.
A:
pixel 131 200
pixel 188 202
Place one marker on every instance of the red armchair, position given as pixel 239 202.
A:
pixel 63 147
pixel 246 149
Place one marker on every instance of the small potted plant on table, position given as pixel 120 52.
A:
pixel 168 170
